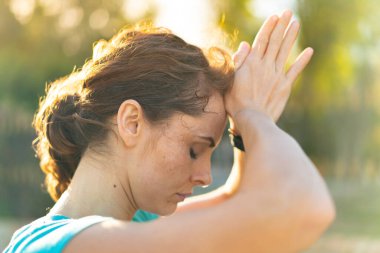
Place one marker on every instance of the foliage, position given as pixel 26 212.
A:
pixel 334 102
pixel 35 49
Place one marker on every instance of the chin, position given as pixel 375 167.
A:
pixel 166 210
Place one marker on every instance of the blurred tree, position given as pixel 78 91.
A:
pixel 41 41
pixel 332 112
pixel 237 20
pixel 55 37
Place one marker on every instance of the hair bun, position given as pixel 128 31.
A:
pixel 61 141
pixel 64 131
pixel 68 105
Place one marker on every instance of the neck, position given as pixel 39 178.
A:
pixel 96 189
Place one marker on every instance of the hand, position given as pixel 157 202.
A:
pixel 261 81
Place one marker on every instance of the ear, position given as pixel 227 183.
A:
pixel 130 121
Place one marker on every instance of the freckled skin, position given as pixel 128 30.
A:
pixel 167 168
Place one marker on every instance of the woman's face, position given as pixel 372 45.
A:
pixel 178 158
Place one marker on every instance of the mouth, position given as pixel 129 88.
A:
pixel 183 196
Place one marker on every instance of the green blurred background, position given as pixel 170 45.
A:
pixel 333 111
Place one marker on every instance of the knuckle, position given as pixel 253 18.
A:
pixel 278 67
pixel 252 58
pixel 263 40
pixel 288 80
pixel 256 62
pixel 269 64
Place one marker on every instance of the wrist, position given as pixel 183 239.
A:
pixel 255 127
pixel 246 119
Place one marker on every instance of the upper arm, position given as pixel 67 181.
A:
pixel 200 231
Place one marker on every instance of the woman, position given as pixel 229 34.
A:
pixel 135 129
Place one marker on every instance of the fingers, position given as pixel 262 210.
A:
pixel 300 63
pixel 280 98
pixel 240 55
pixel 260 43
pixel 277 36
pixel 287 45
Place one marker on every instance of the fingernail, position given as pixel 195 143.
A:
pixel 287 13
pixel 244 45
pixel 273 18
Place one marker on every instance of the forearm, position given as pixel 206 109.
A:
pixel 233 181
pixel 273 156
pixel 280 187
pixel 206 200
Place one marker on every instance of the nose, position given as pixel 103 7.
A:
pixel 202 176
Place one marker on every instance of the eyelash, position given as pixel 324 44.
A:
pixel 192 154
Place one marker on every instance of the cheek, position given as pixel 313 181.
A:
pixel 168 164
pixel 174 163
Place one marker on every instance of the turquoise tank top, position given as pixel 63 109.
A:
pixel 52 233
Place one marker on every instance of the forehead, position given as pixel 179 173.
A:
pixel 210 123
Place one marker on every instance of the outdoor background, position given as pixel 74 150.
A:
pixel 333 111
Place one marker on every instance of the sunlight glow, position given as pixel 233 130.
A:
pixel 53 7
pixel 99 19
pixel 136 9
pixel 70 17
pixel 22 9
pixel 265 8
pixel 193 20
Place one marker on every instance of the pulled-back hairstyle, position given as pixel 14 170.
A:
pixel 150 65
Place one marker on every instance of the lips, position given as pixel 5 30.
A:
pixel 183 196
pixel 186 195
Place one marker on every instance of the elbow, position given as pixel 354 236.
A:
pixel 321 219
pixel 315 222
pixel 326 215
pixel 322 211
pixel 329 214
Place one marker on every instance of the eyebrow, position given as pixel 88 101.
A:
pixel 210 139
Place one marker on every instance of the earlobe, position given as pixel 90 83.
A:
pixel 129 121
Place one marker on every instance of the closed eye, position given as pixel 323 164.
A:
pixel 192 154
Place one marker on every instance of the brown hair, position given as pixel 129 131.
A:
pixel 150 65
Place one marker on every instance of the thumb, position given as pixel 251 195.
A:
pixel 240 55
